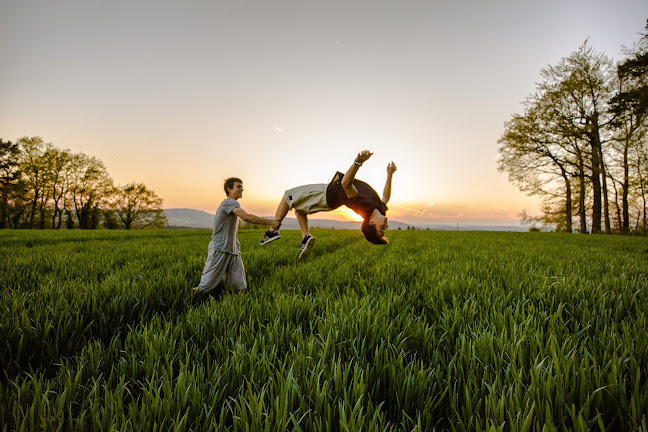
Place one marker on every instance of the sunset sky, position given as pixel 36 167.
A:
pixel 180 95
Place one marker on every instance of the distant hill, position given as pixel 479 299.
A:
pixel 191 218
pixel 473 227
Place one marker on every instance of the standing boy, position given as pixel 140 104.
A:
pixel 224 265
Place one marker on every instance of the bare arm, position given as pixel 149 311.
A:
pixel 250 218
pixel 391 168
pixel 347 180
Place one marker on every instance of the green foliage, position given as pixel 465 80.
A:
pixel 138 207
pixel 580 143
pixel 41 186
pixel 456 331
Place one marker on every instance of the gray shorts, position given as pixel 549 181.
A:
pixel 307 199
pixel 222 269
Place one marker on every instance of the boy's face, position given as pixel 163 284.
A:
pixel 381 224
pixel 236 192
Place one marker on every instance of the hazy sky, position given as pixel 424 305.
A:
pixel 181 95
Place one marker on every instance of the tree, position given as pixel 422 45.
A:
pixel 581 87
pixel 630 107
pixel 537 157
pixel 90 187
pixel 560 137
pixel 42 185
pixel 56 165
pixel 633 72
pixel 10 178
pixel 138 207
pixel 32 167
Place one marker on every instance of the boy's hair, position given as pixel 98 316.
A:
pixel 229 184
pixel 371 234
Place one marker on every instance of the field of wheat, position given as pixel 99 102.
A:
pixel 460 331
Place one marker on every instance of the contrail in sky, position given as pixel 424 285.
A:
pixel 418 212
pixel 276 128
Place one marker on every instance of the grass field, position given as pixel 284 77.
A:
pixel 463 331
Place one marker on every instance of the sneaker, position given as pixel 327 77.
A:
pixel 270 236
pixel 306 246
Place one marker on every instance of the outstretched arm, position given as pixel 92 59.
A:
pixel 250 218
pixel 391 168
pixel 347 180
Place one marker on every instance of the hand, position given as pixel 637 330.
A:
pixel 275 224
pixel 391 168
pixel 363 156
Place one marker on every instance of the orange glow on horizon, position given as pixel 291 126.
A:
pixel 415 212
pixel 348 214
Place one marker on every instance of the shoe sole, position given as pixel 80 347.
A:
pixel 307 250
pixel 270 240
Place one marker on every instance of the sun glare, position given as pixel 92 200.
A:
pixel 351 215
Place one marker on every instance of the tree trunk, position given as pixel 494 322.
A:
pixel 33 211
pixel 41 222
pixel 643 196
pixel 625 221
pixel 606 202
pixel 581 199
pixel 60 218
pixel 16 218
pixel 568 206
pixel 57 212
pixel 4 209
pixel 616 204
pixel 54 216
pixel 568 202
pixel 595 145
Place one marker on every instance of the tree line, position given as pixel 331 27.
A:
pixel 581 143
pixel 42 186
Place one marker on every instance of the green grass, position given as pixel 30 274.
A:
pixel 462 331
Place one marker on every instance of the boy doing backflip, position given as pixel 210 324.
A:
pixel 342 190
pixel 224 265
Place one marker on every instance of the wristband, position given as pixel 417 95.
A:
pixel 357 163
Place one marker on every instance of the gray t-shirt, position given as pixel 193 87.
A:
pixel 224 237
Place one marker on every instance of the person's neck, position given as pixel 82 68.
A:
pixel 375 213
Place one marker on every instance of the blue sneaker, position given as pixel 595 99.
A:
pixel 270 236
pixel 306 246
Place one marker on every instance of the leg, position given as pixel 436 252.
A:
pixel 308 241
pixel 280 214
pixel 302 218
pixel 236 274
pixel 214 272
pixel 282 210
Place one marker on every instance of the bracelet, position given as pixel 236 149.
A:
pixel 357 163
